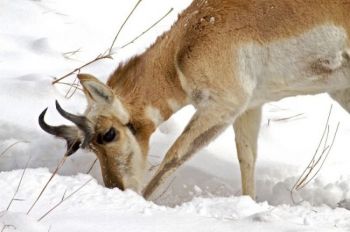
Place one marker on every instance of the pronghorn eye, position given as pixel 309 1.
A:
pixel 109 136
pixel 131 128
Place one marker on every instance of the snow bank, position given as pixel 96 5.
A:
pixel 95 208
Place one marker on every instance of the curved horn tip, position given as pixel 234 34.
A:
pixel 41 118
pixel 58 106
pixel 62 112
pixel 46 127
pixel 42 114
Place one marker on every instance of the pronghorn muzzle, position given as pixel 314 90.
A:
pixel 70 133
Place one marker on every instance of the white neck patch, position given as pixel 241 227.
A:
pixel 154 115
pixel 174 106
pixel 120 110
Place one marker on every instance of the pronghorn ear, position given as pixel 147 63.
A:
pixel 98 93
pixel 95 90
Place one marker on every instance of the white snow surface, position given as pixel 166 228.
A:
pixel 36 37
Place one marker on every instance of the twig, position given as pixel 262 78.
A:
pixel 297 116
pixel 64 195
pixel 148 29
pixel 313 163
pixel 122 26
pixel 305 178
pixel 317 149
pixel 8 226
pixel 70 84
pixel 325 132
pixel 19 184
pixel 60 164
pixel 287 118
pixel 323 161
pixel 71 53
pixel 64 199
pixel 75 86
pixel 12 145
pixel 108 54
pixel 99 57
pixel 92 166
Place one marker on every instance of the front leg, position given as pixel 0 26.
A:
pixel 246 129
pixel 204 126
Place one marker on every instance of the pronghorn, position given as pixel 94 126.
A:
pixel 226 58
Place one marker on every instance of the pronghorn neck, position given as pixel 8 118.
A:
pixel 149 84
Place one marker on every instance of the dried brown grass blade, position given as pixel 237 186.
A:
pixel 60 164
pixel 318 159
pixel 108 54
pixel 91 166
pixel 19 184
pixel 99 57
pixel 11 146
pixel 147 30
pixel 122 26
pixel 64 199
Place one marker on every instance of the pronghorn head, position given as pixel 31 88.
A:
pixel 107 129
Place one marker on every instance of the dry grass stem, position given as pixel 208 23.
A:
pixel 77 86
pixel 72 89
pixel 122 26
pixel 60 164
pixel 68 55
pixel 19 184
pixel 276 108
pixel 99 57
pixel 108 54
pixel 11 146
pixel 64 199
pixel 318 159
pixel 8 226
pixel 325 152
pixel 293 117
pixel 91 166
pixel 325 135
pixel 148 29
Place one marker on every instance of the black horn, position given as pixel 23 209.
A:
pixel 82 123
pixel 70 134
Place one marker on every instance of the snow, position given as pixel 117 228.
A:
pixel 35 37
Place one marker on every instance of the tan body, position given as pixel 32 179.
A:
pixel 227 58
